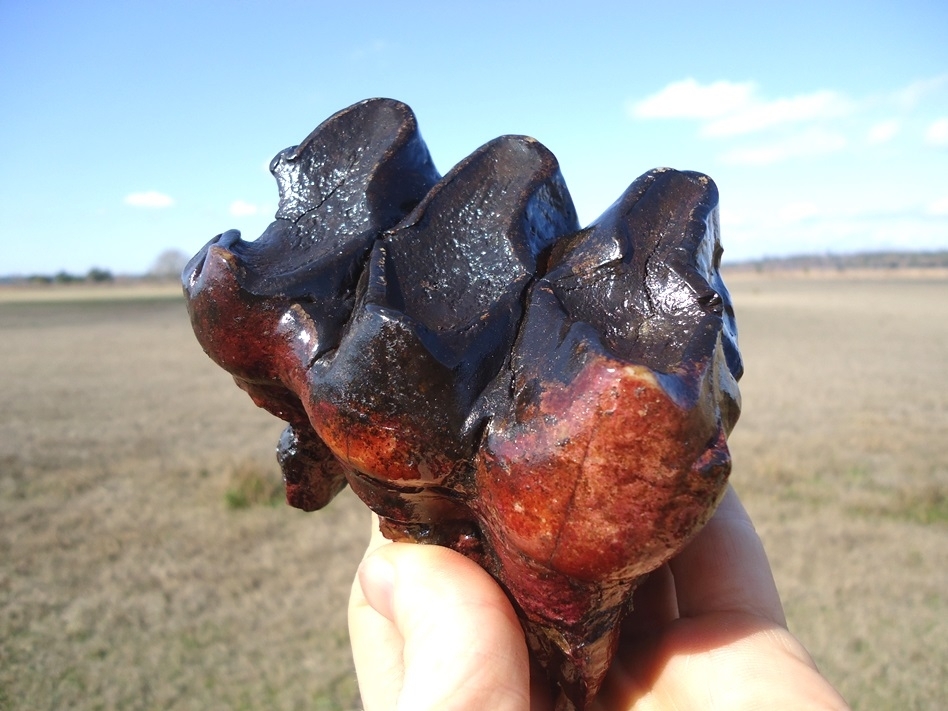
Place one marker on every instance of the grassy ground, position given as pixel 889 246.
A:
pixel 841 457
pixel 145 565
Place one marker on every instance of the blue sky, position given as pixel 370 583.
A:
pixel 129 128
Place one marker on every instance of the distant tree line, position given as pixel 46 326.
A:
pixel 166 267
pixel 842 262
pixel 94 275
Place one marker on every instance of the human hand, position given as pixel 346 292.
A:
pixel 430 629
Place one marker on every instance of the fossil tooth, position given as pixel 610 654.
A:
pixel 553 402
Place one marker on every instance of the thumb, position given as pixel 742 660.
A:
pixel 462 645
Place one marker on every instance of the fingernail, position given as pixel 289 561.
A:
pixel 377 578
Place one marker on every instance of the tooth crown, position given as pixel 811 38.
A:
pixel 552 402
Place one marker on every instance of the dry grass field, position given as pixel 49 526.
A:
pixel 145 565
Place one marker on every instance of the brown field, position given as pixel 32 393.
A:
pixel 144 565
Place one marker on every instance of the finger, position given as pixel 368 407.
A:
pixel 376 642
pixel 722 661
pixel 725 568
pixel 463 645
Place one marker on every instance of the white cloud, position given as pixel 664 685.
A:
pixel 883 131
pixel 760 115
pixel 813 142
pixel 733 108
pixel 938 207
pixel 909 97
pixel 150 199
pixel 239 208
pixel 937 133
pixel 689 99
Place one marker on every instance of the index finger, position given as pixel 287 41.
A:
pixel 725 568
